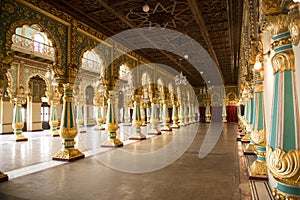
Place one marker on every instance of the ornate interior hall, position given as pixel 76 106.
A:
pixel 149 99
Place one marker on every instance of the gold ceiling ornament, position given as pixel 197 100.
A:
pixel 284 166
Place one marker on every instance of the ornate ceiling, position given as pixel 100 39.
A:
pixel 214 24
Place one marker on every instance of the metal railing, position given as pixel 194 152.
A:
pixel 32 45
pixel 91 64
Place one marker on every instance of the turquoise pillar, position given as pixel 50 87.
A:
pixel 18 123
pixel 137 121
pixel 53 119
pixel 174 116
pixel 283 154
pixel 68 129
pixel 111 123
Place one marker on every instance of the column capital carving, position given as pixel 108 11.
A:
pixel 283 61
pixel 277 24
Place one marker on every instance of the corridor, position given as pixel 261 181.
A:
pixel 33 174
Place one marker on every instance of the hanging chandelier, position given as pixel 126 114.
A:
pixel 180 79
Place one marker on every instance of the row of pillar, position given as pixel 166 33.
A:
pixel 277 151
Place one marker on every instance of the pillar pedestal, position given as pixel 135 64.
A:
pixel 3 177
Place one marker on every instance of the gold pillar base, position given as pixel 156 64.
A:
pixel 99 128
pixel 224 121
pixel 55 134
pixel 175 126
pixel 166 128
pixel 69 155
pixel 3 177
pixel 154 132
pixel 20 138
pixel 114 142
pixel 81 130
pixel 127 124
pixel 258 171
pixel 250 149
pixel 137 136
pixel 246 139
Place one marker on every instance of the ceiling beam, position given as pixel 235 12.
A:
pixel 193 4
pixel 230 31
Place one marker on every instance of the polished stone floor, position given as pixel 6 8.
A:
pixel 194 162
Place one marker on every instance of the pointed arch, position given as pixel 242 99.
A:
pixel 58 56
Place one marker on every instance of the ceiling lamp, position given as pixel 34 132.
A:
pixel 146 8
pixel 180 79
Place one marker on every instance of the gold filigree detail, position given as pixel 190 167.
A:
pixel 66 133
pixel 9 8
pixel 277 24
pixel 258 137
pixel 112 127
pixel 68 154
pixel 283 61
pixel 285 167
pixel 259 168
pixel 272 7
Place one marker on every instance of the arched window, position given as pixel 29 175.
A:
pixel 92 61
pixel 29 39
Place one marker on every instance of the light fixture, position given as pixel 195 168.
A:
pixel 146 8
pixel 258 61
pixel 180 79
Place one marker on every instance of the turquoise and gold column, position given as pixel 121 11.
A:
pixel 111 123
pixel 174 112
pixel 54 100
pixel 165 111
pixel 53 119
pixel 207 113
pixel 181 115
pixel 154 115
pixel 143 116
pixel 99 103
pixel 79 118
pixel 283 149
pixel 258 169
pixel 137 120
pixel 68 129
pixel 224 114
pixel 18 123
pixel 127 116
pixel 249 117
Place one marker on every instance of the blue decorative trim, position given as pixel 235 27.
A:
pixel 281 35
pixel 283 48
pixel 288 189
